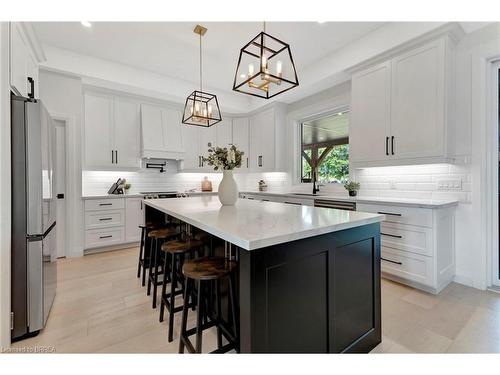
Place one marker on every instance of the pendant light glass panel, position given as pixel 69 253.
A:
pixel 201 109
pixel 265 67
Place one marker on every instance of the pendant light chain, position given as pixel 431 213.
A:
pixel 264 26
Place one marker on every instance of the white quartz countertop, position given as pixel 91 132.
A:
pixel 112 196
pixel 253 224
pixel 407 202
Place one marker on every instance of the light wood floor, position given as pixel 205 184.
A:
pixel 102 308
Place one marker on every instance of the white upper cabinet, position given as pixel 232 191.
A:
pixel 370 114
pixel 191 159
pixel 240 138
pixel 400 109
pixel 22 64
pixel 161 132
pixel 267 135
pixel 99 151
pixel 223 132
pixel 126 133
pixel 418 102
pixel 111 132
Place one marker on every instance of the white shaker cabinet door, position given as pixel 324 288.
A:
pixel 126 133
pixel 418 108
pixel 240 138
pixel 224 132
pixel 191 150
pixel 206 136
pixel 19 58
pixel 262 140
pixel 369 128
pixel 98 130
pixel 134 216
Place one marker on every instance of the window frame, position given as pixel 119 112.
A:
pixel 298 144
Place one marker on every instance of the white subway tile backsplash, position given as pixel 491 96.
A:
pixel 98 182
pixel 415 181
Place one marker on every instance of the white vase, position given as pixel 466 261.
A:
pixel 228 189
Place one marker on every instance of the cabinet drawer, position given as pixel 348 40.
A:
pixel 407 238
pixel 408 266
pixel 103 219
pixel 402 215
pixel 104 237
pixel 104 204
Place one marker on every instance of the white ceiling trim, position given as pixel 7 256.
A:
pixel 114 76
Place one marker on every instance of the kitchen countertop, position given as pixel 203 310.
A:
pixel 406 202
pixel 253 224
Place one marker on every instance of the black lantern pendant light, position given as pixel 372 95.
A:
pixel 201 108
pixel 265 67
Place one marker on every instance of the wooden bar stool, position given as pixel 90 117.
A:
pixel 175 254
pixel 205 271
pixel 144 253
pixel 158 236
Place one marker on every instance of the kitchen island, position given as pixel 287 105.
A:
pixel 309 278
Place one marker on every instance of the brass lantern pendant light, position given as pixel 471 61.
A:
pixel 201 108
pixel 265 67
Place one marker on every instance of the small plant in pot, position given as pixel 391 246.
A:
pixel 352 187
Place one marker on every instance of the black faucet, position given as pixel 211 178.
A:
pixel 315 188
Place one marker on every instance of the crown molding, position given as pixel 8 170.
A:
pixel 453 31
pixel 32 40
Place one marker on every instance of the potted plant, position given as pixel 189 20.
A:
pixel 225 159
pixel 352 187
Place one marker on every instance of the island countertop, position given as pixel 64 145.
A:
pixel 253 224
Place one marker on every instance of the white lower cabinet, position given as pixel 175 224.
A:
pixel 113 221
pixel 417 245
pixel 134 216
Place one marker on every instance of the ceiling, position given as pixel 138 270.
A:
pixel 171 48
pixel 326 129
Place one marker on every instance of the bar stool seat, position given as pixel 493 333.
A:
pixel 207 272
pixel 212 268
pixel 163 233
pixel 174 260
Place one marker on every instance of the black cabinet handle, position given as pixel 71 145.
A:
pixel 387 146
pixel 112 157
pixel 116 156
pixel 390 235
pixel 105 219
pixel 392 145
pixel 102 237
pixel 391 261
pixel 247 162
pixel 31 94
pixel 388 213
pixel 297 204
pixel 105 204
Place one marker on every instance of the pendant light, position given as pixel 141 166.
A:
pixel 265 67
pixel 201 108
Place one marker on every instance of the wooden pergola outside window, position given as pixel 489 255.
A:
pixel 316 159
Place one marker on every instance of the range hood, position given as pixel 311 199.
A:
pixel 161 135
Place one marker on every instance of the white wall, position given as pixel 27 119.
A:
pixel 5 182
pixel 472 55
pixel 62 95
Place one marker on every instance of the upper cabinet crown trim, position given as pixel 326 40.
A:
pixel 453 31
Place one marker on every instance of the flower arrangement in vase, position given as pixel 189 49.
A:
pixel 225 159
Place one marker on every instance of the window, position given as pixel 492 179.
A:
pixel 325 148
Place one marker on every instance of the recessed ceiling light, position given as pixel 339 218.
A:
pixel 321 21
pixel 339 114
pixel 86 23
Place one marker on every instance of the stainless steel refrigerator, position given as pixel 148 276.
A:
pixel 34 271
